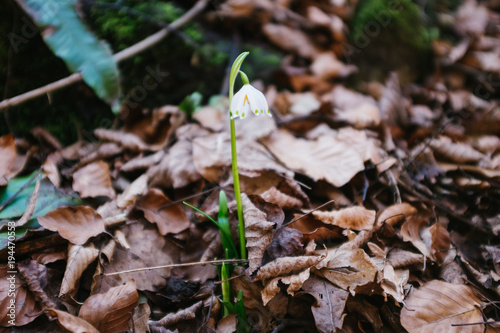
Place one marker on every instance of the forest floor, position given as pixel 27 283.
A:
pixel 371 206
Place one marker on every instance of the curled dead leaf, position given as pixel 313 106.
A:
pixel 354 218
pixel 181 315
pixel 8 153
pixel 111 311
pixel 415 230
pixel 258 233
pixel 396 213
pixel 170 218
pixel 76 224
pixel 440 242
pixel 455 151
pixel 176 168
pixel 294 282
pixel 72 323
pixel 126 140
pixel 79 257
pixel 19 308
pixel 291 40
pixel 93 180
pixel 287 265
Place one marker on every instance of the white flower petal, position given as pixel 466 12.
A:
pixel 248 99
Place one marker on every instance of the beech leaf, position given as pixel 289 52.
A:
pixel 330 303
pixel 76 224
pixel 258 232
pixel 79 257
pixel 25 308
pixel 354 218
pixel 325 158
pixel 93 180
pixel 72 323
pixel 111 311
pixel 170 218
pixel 437 306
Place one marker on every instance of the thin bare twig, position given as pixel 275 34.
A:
pixel 302 216
pixel 122 55
pixel 231 261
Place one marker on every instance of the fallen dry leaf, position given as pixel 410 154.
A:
pixel 141 317
pixel 72 323
pixel 17 304
pixel 8 156
pixel 394 281
pixel 440 242
pixel 437 306
pixel 147 249
pixel 362 116
pixel 181 315
pixel 127 199
pixel 354 218
pixel 258 233
pixel 396 213
pixel 111 311
pixel 228 324
pixel 35 276
pixel 252 299
pixel 50 170
pixel 327 66
pixel 126 140
pixel 142 162
pixel 287 265
pixel 472 18
pixel 291 40
pixel 79 258
pixel 93 180
pixel 170 218
pixel 176 169
pixel 284 200
pixel 328 310
pixel 415 230
pixel 313 229
pixel 294 282
pixel 325 158
pixel 348 268
pixel 287 242
pixel 456 152
pixel 212 157
pixel 76 224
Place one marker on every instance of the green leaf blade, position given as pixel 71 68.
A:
pixel 69 39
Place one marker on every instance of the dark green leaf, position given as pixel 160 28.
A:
pixel 69 39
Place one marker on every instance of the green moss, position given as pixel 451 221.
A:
pixel 399 20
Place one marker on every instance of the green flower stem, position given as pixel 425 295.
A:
pixel 236 179
pixel 237 193
pixel 226 289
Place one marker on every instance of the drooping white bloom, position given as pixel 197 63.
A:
pixel 248 100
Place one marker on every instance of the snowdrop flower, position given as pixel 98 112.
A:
pixel 247 100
